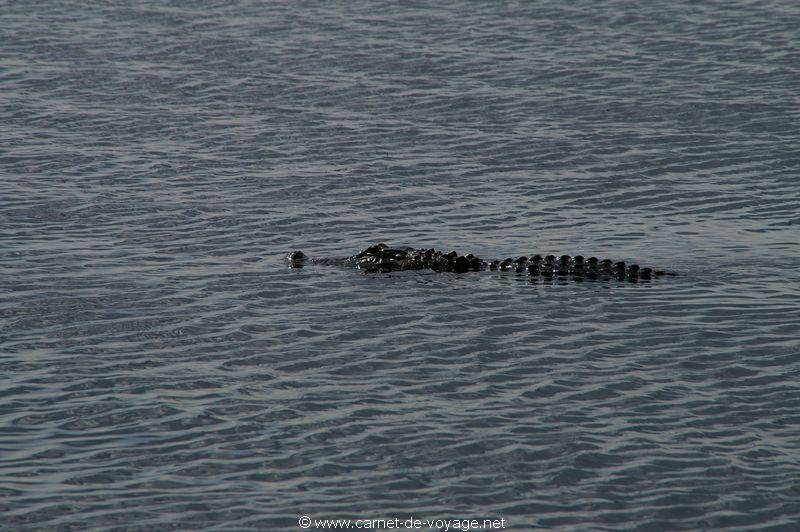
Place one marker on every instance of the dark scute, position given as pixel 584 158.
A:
pixel 461 265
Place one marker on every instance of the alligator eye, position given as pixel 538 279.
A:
pixel 377 248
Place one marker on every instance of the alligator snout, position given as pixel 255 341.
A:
pixel 296 259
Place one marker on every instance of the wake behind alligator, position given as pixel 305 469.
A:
pixel 382 258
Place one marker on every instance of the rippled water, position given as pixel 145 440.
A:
pixel 162 369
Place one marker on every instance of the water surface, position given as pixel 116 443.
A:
pixel 163 369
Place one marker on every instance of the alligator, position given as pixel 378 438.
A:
pixel 382 258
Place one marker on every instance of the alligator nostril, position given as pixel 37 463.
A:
pixel 296 259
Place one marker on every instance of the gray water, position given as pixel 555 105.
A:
pixel 161 368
